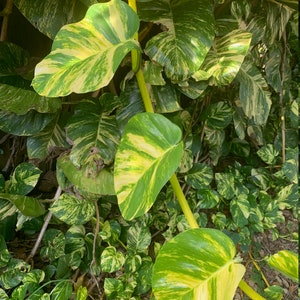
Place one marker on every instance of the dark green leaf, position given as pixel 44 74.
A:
pixel 24 125
pixel 28 206
pixel 62 290
pixel 62 13
pixel 217 115
pixel 153 73
pixel 166 98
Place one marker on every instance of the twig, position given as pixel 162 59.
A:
pixel 282 71
pixel 43 230
pixel 6 12
pixel 97 228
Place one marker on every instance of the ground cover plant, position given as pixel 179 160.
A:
pixel 164 137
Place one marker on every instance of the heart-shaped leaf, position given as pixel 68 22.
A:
pixel 197 264
pixel 72 210
pixel 181 49
pixel 86 54
pixel 148 154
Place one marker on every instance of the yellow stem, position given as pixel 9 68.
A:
pixel 249 291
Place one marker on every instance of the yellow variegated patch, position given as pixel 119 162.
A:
pixel 197 264
pixel 148 154
pixel 86 54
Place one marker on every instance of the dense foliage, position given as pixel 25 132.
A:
pixel 126 97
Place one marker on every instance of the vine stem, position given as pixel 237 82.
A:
pixel 173 180
pixel 43 230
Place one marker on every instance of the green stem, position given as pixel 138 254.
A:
pixel 173 180
pixel 183 202
pixel 249 291
pixel 143 90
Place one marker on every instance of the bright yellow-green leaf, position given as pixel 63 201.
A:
pixel 86 54
pixel 148 154
pixel 197 264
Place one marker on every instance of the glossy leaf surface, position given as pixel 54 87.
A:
pixel 72 210
pixel 62 12
pixel 149 152
pixel 225 58
pixel 101 184
pixel 28 206
pixel 254 94
pixel 286 262
pixel 16 95
pixel 52 136
pixel 24 125
pixel 182 47
pixel 24 179
pixel 197 264
pixel 93 132
pixel 86 54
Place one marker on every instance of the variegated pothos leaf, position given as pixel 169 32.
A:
pixel 182 47
pixel 286 262
pixel 72 210
pixel 86 54
pixel 225 58
pixel 197 264
pixel 148 154
pixel 254 94
pixel 93 132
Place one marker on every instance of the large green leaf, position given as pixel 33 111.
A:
pixel 16 95
pixel 148 154
pixel 52 136
pixel 24 125
pixel 197 264
pixel 254 94
pixel 73 210
pixel 181 49
pixel 286 262
pixel 101 183
pixel 28 206
pixel 224 60
pixel 93 132
pixel 48 16
pixel 86 54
